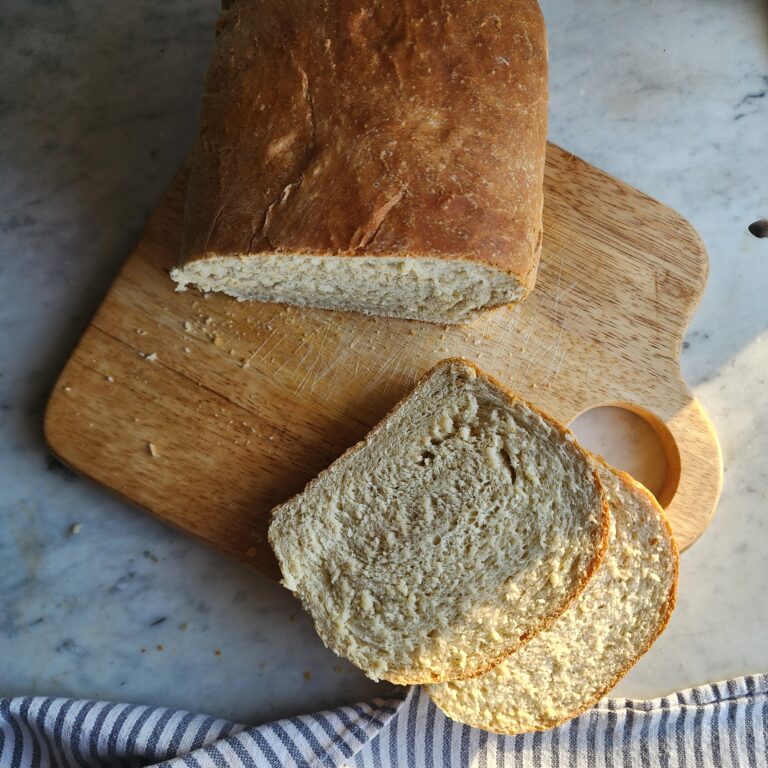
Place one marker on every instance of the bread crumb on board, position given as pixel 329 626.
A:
pixel 148 356
pixel 152 450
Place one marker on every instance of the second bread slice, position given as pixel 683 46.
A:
pixel 463 524
pixel 575 662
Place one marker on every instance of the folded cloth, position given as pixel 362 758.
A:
pixel 722 724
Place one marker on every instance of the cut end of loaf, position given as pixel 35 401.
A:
pixel 431 289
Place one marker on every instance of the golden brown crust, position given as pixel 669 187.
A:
pixel 345 128
pixel 600 546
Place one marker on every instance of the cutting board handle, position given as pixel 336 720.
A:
pixel 694 467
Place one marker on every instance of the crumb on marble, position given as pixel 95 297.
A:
pixel 75 529
pixel 307 675
pixel 159 647
pixel 217 652
pixel 184 626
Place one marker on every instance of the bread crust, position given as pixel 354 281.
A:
pixel 338 128
pixel 600 544
pixel 665 614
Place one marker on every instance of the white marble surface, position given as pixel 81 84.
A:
pixel 97 109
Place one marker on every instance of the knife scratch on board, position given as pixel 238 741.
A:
pixel 551 380
pixel 261 346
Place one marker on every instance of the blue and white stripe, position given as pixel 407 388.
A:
pixel 723 724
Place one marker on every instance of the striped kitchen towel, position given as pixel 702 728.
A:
pixel 723 724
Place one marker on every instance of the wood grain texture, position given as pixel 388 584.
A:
pixel 209 412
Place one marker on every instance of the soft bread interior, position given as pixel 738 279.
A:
pixel 575 662
pixel 463 523
pixel 432 289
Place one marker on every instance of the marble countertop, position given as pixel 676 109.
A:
pixel 97 110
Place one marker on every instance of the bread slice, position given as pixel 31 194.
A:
pixel 570 666
pixel 382 157
pixel 464 523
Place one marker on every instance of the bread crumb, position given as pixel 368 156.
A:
pixel 184 627
pixel 75 529
pixel 307 675
pixel 187 326
pixel 67 389
pixel 187 350
pixel 140 332
pixel 152 450
pixel 149 356
pixel 109 378
pixel 217 652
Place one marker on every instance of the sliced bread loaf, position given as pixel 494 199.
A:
pixel 463 524
pixel 382 157
pixel 568 667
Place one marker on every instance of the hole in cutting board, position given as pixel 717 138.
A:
pixel 627 441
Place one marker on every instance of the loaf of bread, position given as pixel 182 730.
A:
pixel 464 523
pixel 384 157
pixel 568 667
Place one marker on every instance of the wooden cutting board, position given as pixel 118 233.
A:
pixel 209 412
